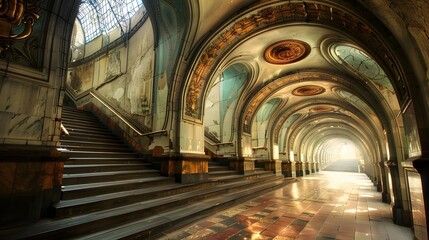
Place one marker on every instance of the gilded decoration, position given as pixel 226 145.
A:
pixel 308 90
pixel 282 13
pixel 17 18
pixel 286 51
pixel 278 127
pixel 278 84
pixel 322 109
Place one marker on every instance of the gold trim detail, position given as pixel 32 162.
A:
pixel 308 90
pixel 287 51
pixel 17 15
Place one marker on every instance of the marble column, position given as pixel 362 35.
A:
pixel 243 165
pixel 298 169
pixel 287 168
pixel 385 196
pixel 401 216
pixel 306 167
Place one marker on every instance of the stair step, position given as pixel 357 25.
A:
pixel 85 125
pixel 93 189
pixel 102 202
pixel 222 173
pixel 82 122
pixel 79 118
pixel 177 218
pixel 92 143
pixel 92 168
pixel 80 178
pixel 239 177
pixel 104 160
pixel 97 148
pixel 78 113
pixel 218 168
pixel 195 205
pixel 89 137
pixel 102 154
pixel 93 132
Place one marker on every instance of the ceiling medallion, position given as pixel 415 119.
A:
pixel 287 51
pixel 308 90
pixel 322 109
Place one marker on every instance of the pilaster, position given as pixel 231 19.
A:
pixel 287 168
pixel 243 165
pixel 401 216
pixel 306 168
pixel 298 169
pixel 31 179
pixel 185 167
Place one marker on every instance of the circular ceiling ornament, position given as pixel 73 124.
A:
pixel 322 109
pixel 308 90
pixel 286 51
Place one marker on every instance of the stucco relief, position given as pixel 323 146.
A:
pixel 142 86
pixel 114 65
pixel 80 78
pixel 282 13
pixel 286 51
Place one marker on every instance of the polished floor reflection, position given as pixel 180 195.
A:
pixel 321 206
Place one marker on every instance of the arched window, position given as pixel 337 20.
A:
pixel 222 100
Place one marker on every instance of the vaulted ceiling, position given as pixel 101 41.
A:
pixel 326 64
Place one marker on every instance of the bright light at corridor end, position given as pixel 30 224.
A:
pixel 342 149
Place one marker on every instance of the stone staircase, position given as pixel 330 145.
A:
pixel 110 192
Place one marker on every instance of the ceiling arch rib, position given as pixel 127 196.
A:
pixel 321 144
pixel 305 131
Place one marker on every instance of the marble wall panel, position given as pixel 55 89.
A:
pixel 417 204
pixel 15 125
pixel 21 97
pixel 192 138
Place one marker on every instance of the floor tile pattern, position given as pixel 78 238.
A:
pixel 321 206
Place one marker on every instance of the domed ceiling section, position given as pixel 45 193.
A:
pixel 101 22
pixel 309 56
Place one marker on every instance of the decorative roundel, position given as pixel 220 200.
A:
pixel 308 90
pixel 287 51
pixel 322 109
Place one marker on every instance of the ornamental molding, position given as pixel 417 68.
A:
pixel 286 51
pixel 17 18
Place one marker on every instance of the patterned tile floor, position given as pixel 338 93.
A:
pixel 321 206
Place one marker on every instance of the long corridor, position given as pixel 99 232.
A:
pixel 321 206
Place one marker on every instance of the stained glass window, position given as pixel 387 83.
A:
pixel 101 16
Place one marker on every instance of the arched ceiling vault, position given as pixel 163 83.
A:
pixel 310 23
pixel 300 51
pixel 306 132
pixel 323 144
pixel 340 130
